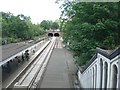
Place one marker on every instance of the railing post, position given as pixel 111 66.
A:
pixel 119 73
pixel 98 73
pixel 93 77
pixel 109 75
pixel 103 75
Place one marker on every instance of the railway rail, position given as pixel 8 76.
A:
pixel 35 68
pixel 32 77
pixel 19 59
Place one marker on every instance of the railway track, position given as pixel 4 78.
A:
pixel 31 75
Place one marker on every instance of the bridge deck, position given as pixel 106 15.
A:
pixel 60 72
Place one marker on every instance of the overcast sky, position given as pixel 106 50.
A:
pixel 38 10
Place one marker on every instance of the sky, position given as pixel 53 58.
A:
pixel 38 10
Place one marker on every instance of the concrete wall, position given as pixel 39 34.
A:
pixel 53 33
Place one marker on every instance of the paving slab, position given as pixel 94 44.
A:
pixel 60 71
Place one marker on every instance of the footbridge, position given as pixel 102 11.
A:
pixel 103 70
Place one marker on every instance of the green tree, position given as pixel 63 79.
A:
pixel 45 24
pixel 54 25
pixel 90 25
pixel 20 27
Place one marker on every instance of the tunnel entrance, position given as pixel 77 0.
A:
pixel 50 34
pixel 56 34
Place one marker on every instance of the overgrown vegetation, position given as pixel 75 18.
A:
pixel 88 25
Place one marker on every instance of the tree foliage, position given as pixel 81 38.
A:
pixel 20 27
pixel 47 25
pixel 90 25
pixel 54 25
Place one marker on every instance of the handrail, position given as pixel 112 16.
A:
pixel 100 51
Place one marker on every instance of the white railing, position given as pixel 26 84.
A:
pixel 103 70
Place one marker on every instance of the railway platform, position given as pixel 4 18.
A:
pixel 60 72
pixel 53 67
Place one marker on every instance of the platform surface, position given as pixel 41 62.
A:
pixel 60 71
